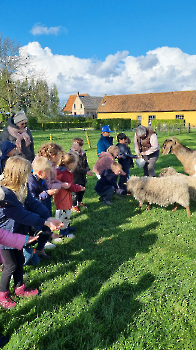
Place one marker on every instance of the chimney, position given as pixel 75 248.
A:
pixel 78 94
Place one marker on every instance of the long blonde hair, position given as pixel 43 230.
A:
pixel 15 176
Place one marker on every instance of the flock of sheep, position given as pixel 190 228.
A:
pixel 170 187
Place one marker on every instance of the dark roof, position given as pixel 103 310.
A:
pixel 151 102
pixel 90 101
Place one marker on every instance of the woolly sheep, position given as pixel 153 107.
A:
pixel 184 154
pixel 162 190
pixel 190 179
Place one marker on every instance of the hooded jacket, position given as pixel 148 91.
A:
pixel 104 143
pixel 6 147
pixel 26 151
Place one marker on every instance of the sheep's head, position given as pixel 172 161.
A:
pixel 131 183
pixel 167 172
pixel 167 146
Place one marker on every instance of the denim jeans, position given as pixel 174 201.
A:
pixel 30 258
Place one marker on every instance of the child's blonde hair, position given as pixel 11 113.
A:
pixel 49 149
pixel 116 167
pixel 79 141
pixel 41 164
pixel 16 173
pixel 69 158
pixel 112 149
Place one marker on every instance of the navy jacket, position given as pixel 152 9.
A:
pixel 104 143
pixel 126 157
pixel 38 189
pixel 17 217
pixel 107 180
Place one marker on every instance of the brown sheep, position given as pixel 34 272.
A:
pixel 184 154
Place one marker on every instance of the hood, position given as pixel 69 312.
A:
pixel 105 154
pixel 6 147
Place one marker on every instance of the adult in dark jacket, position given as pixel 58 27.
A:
pixel 18 133
pixel 105 140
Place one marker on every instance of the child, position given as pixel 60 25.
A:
pixel 79 174
pixel 37 187
pixel 107 184
pixel 19 211
pixel 125 158
pixel 52 152
pixel 8 149
pixel 63 199
pixel 105 160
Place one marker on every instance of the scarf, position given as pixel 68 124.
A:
pixel 19 135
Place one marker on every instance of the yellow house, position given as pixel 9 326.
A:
pixel 145 107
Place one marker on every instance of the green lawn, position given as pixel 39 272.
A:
pixel 126 281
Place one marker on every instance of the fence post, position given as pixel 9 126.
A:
pixel 67 126
pixel 189 127
pixel 50 137
pixel 89 145
pixel 115 133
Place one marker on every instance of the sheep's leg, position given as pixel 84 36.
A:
pixel 148 207
pixel 175 207
pixel 188 212
pixel 139 211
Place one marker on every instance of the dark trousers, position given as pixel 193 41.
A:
pixel 107 194
pixel 77 197
pixel 123 180
pixel 13 265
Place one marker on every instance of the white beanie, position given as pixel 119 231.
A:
pixel 19 117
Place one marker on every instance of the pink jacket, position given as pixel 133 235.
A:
pixel 13 240
pixel 104 162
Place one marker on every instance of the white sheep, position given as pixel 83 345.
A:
pixel 160 190
pixel 190 179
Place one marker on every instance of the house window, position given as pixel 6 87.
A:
pixel 81 106
pixel 179 116
pixel 150 117
pixel 139 119
pixel 74 105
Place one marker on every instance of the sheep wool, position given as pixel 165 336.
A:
pixel 160 190
pixel 190 179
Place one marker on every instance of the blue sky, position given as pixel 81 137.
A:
pixel 111 37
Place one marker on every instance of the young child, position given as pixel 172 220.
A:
pixel 79 174
pixel 125 158
pixel 63 199
pixel 38 188
pixel 52 152
pixel 8 149
pixel 19 211
pixel 105 160
pixel 107 184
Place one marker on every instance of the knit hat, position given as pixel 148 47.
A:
pixel 6 147
pixel 19 116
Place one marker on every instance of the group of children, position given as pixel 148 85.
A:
pixel 25 207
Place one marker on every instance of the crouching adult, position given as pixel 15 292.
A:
pixel 146 144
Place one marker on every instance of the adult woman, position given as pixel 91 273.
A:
pixel 18 133
pixel 146 144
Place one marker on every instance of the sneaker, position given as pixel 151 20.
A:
pixel 101 199
pixel 63 233
pixel 108 202
pixel 3 341
pixel 49 245
pixel 83 205
pixel 25 292
pixel 42 254
pixel 70 235
pixel 57 240
pixel 75 209
pixel 5 301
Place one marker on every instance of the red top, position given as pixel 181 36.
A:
pixel 63 199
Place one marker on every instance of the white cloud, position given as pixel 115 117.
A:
pixel 162 69
pixel 39 29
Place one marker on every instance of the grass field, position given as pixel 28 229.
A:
pixel 126 281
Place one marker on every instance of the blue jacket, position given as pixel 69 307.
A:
pixel 107 180
pixel 17 217
pixel 38 189
pixel 104 143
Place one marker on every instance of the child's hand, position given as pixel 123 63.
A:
pixel 65 185
pixel 52 191
pixel 89 173
pixel 53 223
pixel 82 188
